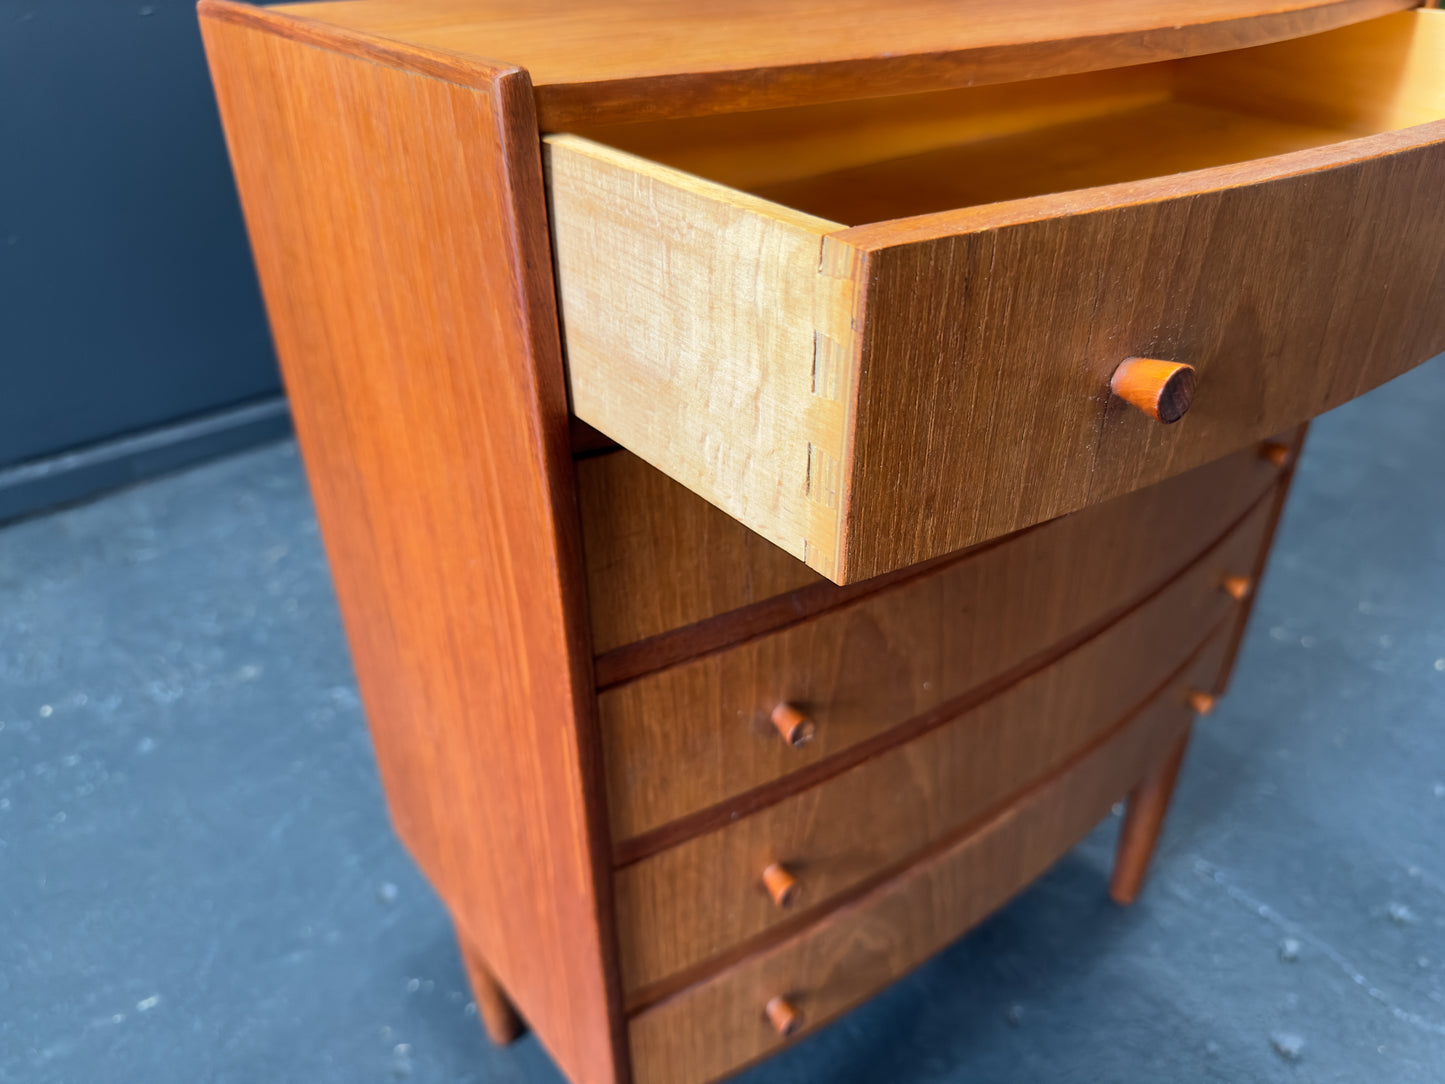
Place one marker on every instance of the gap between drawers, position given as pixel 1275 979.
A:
pixel 647 996
pixel 634 849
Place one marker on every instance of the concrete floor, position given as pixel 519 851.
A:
pixel 198 882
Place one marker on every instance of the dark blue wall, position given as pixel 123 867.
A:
pixel 127 296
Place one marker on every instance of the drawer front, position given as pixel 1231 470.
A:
pixel 696 739
pixel 871 397
pixel 719 1025
pixel 685 906
pixel 659 557
pixel 1288 296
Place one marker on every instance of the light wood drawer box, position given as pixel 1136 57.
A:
pixel 718 1025
pixel 695 739
pixel 705 896
pixel 908 347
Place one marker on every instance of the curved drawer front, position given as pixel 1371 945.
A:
pixel 660 558
pixel 719 1025
pixel 698 737
pixel 875 396
pixel 686 905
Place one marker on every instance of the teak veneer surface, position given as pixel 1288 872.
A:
pixel 628 59
pixel 660 557
pixel 399 230
pixel 1289 296
pixel 717 1026
pixel 697 737
pixel 685 905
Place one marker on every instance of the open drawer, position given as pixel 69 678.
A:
pixel 878 331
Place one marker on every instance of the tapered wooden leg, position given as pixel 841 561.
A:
pixel 498 1016
pixel 1143 818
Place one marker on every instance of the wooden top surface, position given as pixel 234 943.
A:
pixel 610 61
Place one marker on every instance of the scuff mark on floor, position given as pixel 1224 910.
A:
pixel 1212 873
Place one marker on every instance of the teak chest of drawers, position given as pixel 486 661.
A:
pixel 789 469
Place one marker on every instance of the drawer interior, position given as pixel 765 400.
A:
pixel 886 158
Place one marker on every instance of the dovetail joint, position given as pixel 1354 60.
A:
pixel 822 477
pixel 817 559
pixel 829 358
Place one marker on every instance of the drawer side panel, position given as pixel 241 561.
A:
pixel 710 333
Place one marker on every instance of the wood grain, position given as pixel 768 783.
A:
pixel 615 60
pixel 678 590
pixel 1150 140
pixel 719 1025
pixel 660 557
pixel 635 660
pixel 761 148
pixel 398 223
pixel 1148 804
pixel 1291 286
pixel 692 311
pixel 1377 76
pixel 683 906
pixel 699 737
pixel 864 160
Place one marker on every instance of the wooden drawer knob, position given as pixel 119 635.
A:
pixel 1277 454
pixel 783 1016
pixel 781 884
pixel 1200 703
pixel 1161 389
pixel 1236 587
pixel 795 727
